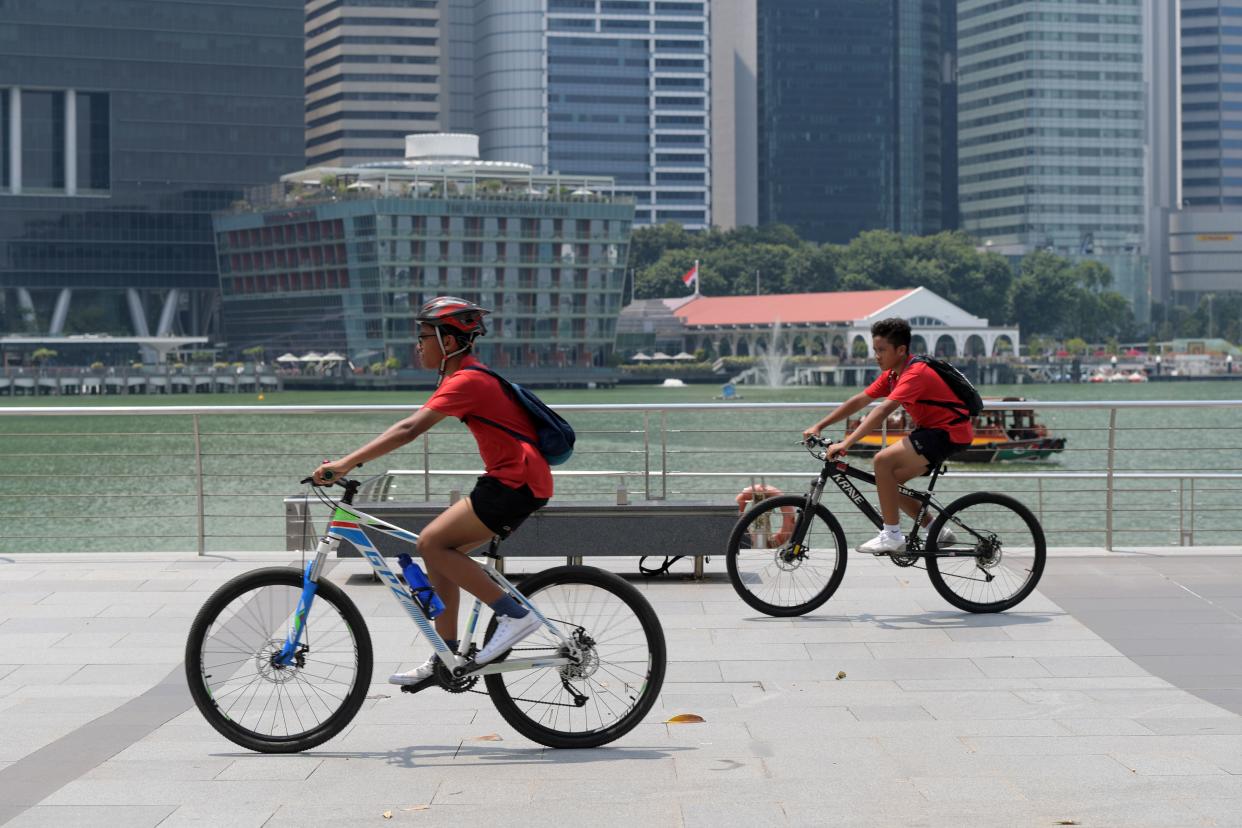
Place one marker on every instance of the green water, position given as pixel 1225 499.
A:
pixel 129 482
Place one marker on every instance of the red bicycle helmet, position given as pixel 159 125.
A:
pixel 457 314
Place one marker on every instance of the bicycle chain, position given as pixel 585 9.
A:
pixel 532 701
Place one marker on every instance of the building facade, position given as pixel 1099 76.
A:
pixel 341 258
pixel 849 112
pixel 1205 234
pixel 375 72
pixel 601 87
pixel 807 324
pixel 1051 125
pixel 122 127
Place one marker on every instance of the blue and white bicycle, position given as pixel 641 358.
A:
pixel 279 659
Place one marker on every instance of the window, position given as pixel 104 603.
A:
pixel 43 140
pixel 93 139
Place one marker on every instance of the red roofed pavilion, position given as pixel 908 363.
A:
pixel 832 324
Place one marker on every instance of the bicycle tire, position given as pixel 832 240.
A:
pixel 735 550
pixel 508 704
pixel 196 677
pixel 1036 570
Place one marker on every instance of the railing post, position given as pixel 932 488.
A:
pixel 1112 461
pixel 647 455
pixel 663 455
pixel 1181 512
pixel 427 466
pixel 198 476
pixel 1192 511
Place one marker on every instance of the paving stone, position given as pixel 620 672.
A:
pixel 96 816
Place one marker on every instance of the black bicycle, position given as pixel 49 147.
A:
pixel 984 552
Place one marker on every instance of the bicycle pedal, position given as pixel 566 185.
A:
pixel 430 681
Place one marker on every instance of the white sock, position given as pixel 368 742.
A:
pixel 893 531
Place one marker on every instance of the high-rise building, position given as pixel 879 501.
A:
pixel 849 113
pixel 374 74
pixel 123 126
pixel 1050 124
pixel 1211 52
pixel 601 87
pixel 1205 234
pixel 1162 76
pixel 735 128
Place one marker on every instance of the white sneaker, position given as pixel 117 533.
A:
pixel 946 537
pixel 421 673
pixel 884 544
pixel 509 631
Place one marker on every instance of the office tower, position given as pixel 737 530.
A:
pixel 1050 122
pixel 849 113
pixel 123 126
pixel 735 125
pixel 601 87
pixel 1206 234
pixel 374 74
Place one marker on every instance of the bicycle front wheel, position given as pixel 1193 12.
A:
pixel 619 671
pixel 1001 552
pixel 256 703
pixel 778 573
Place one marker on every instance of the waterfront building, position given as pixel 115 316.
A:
pixel 849 116
pixel 375 72
pixel 836 324
pixel 123 126
pixel 617 88
pixel 1051 109
pixel 341 258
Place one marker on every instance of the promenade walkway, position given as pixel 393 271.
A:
pixel 1094 704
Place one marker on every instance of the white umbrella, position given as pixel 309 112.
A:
pixel 640 357
pixel 660 355
pixel 333 356
pixel 361 185
pixel 311 357
pixel 582 191
pixel 287 358
pixel 684 356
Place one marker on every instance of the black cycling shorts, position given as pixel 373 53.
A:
pixel 503 508
pixel 934 445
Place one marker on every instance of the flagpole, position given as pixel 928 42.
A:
pixel 698 278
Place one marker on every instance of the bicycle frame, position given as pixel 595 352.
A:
pixel 840 472
pixel 347 525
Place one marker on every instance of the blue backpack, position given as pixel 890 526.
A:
pixel 554 437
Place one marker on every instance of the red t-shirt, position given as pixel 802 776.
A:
pixel 919 381
pixel 506 458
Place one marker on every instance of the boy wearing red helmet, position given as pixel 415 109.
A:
pixel 516 481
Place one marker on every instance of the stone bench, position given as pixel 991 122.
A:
pixel 575 529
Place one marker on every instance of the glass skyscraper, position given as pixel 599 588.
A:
pixel 1212 103
pixel 601 87
pixel 123 125
pixel 850 107
pixel 1051 125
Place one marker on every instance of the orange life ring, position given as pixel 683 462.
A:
pixel 762 491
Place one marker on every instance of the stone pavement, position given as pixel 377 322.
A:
pixel 1026 718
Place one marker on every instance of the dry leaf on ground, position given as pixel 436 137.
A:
pixel 686 718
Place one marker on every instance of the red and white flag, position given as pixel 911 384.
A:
pixel 691 276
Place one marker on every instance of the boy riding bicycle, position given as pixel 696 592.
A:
pixel 516 483
pixel 940 430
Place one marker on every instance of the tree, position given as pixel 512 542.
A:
pixel 43 355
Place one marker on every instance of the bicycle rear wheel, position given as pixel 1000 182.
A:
pixel 778 574
pixel 262 706
pixel 1007 551
pixel 620 674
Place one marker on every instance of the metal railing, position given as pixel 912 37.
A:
pixel 213 478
